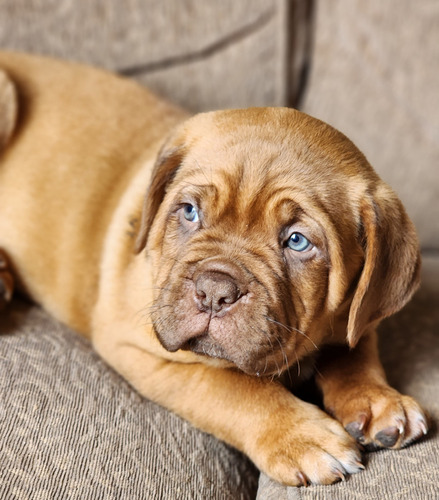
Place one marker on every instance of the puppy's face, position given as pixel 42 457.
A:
pixel 258 225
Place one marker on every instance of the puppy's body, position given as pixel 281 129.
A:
pixel 226 299
pixel 61 198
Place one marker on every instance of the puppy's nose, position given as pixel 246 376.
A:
pixel 215 290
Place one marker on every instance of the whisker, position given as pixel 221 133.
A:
pixel 266 365
pixel 143 316
pixel 141 313
pixel 285 358
pixel 157 307
pixel 267 335
pixel 167 289
pixel 319 373
pixel 298 363
pixel 292 329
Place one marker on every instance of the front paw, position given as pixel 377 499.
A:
pixel 378 416
pixel 306 446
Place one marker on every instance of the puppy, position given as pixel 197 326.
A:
pixel 207 257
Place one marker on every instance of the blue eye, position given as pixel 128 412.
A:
pixel 190 213
pixel 298 242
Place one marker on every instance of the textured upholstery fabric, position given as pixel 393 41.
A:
pixel 375 77
pixel 202 55
pixel 410 353
pixel 72 428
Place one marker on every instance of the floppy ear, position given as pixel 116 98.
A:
pixel 392 262
pixel 167 163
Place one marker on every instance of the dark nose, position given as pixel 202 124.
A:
pixel 216 290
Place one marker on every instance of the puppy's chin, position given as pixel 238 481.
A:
pixel 204 346
pixel 257 362
pixel 208 350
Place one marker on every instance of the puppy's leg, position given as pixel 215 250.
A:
pixel 355 391
pixel 6 280
pixel 290 440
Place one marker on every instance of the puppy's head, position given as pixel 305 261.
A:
pixel 270 234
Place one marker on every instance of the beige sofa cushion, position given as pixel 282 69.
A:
pixel 375 77
pixel 202 55
pixel 70 427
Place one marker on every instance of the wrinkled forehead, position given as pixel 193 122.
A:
pixel 265 151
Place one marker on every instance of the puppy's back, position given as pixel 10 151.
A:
pixel 80 137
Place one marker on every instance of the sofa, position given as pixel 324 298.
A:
pixel 70 427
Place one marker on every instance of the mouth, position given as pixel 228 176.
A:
pixel 210 320
pixel 232 339
pixel 204 346
pixel 261 364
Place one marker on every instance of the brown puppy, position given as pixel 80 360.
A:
pixel 266 243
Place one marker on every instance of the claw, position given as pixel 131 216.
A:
pixel 423 426
pixel 340 474
pixel 360 465
pixel 400 427
pixel 303 480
